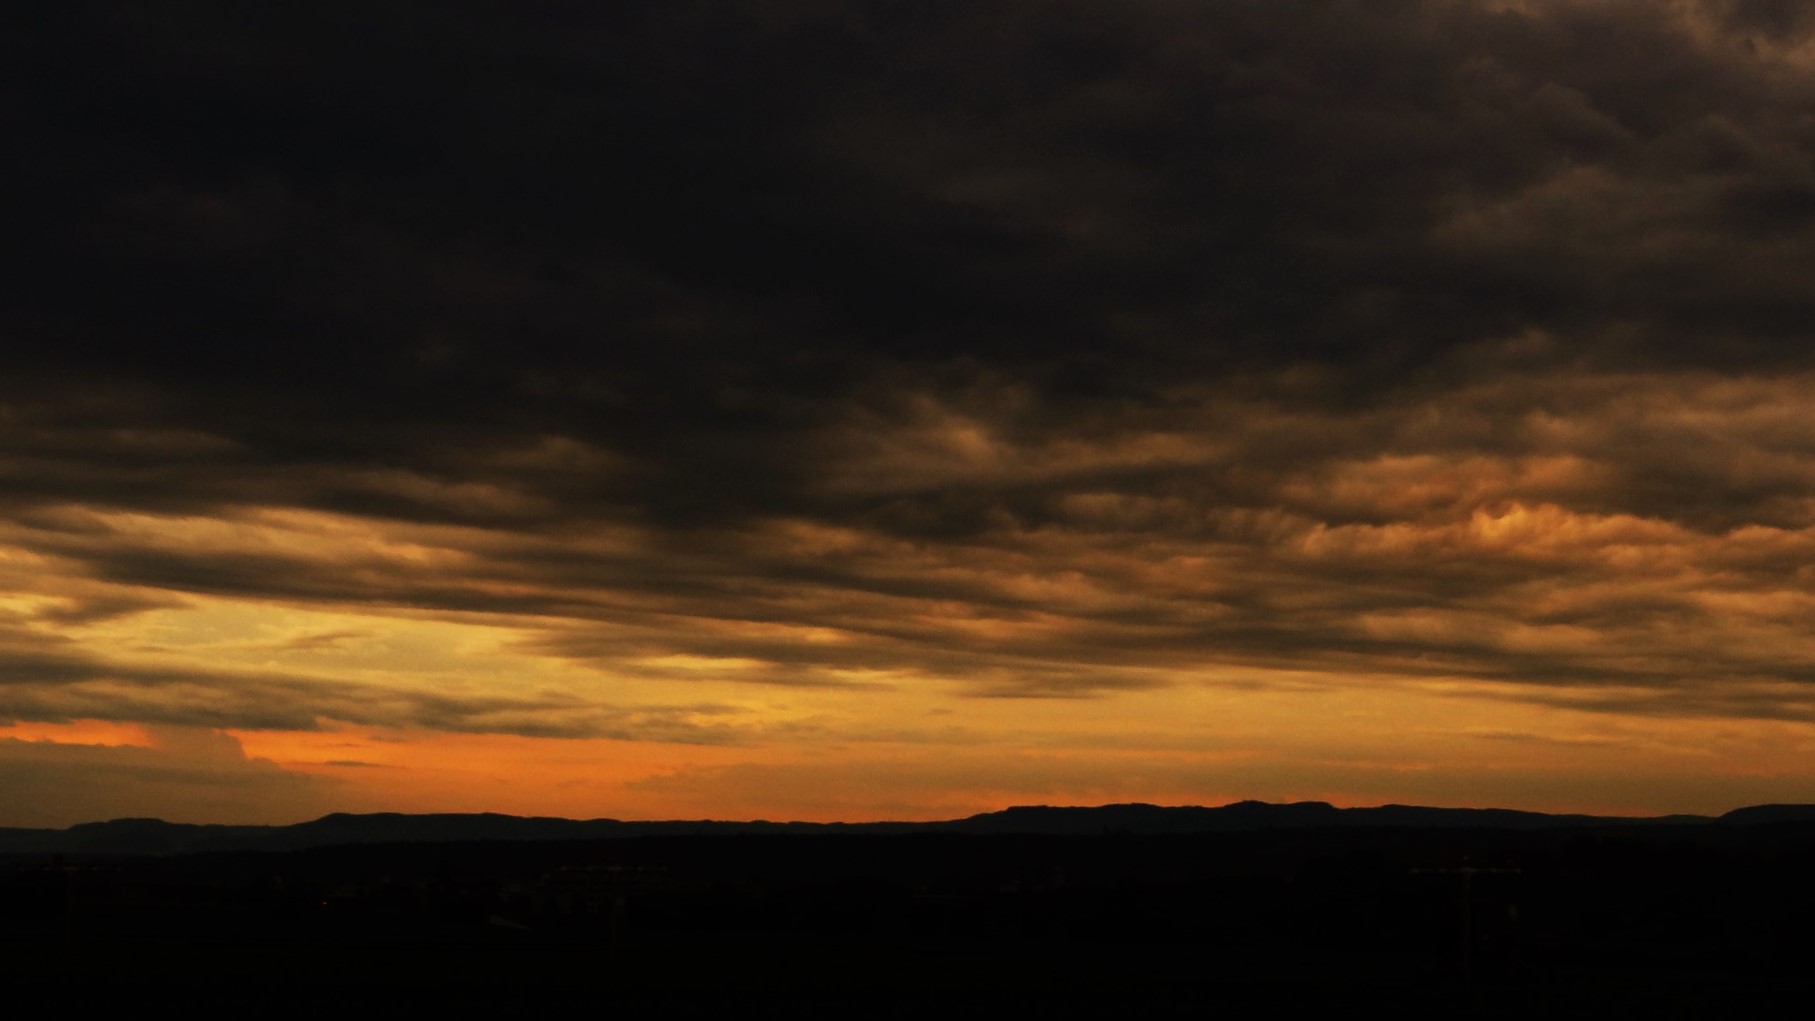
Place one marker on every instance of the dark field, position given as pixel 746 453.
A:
pixel 1472 921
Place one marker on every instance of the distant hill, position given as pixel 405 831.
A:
pixel 1259 815
pixel 153 836
pixel 1770 814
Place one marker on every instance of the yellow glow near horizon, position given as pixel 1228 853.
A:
pixel 920 746
pixel 104 733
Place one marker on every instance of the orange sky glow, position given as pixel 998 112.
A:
pixel 829 412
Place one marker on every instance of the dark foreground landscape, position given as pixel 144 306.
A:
pixel 1242 911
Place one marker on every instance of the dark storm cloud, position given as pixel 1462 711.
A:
pixel 1044 349
pixel 347 234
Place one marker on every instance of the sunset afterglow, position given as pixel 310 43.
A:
pixel 832 412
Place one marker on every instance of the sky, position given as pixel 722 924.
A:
pixel 863 410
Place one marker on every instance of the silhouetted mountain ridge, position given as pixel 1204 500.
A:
pixel 154 836
pixel 1771 814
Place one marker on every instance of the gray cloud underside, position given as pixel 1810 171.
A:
pixel 1049 350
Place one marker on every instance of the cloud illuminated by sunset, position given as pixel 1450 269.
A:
pixel 855 411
